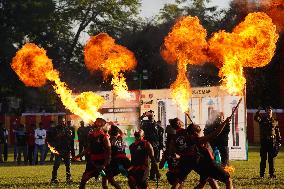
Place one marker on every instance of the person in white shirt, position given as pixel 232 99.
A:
pixel 40 136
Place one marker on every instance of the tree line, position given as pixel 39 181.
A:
pixel 58 27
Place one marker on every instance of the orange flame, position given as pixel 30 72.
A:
pixel 251 44
pixel 229 169
pixel 181 89
pixel 101 53
pixel 31 63
pixel 185 44
pixel 85 105
pixel 52 149
pixel 275 9
pixel 33 67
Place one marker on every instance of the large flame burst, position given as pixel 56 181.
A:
pixel 31 63
pixel 85 105
pixel 185 44
pixel 251 44
pixel 275 9
pixel 101 53
pixel 34 67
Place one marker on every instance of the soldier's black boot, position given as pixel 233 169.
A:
pixel 68 178
pixel 82 185
pixel 271 166
pixel 272 176
pixel 54 177
pixel 262 168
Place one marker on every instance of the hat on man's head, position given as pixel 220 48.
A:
pixel 151 111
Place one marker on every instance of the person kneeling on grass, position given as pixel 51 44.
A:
pixel 119 162
pixel 98 152
pixel 198 158
pixel 141 150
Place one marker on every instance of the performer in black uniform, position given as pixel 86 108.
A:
pixel 119 162
pixel 60 138
pixel 141 150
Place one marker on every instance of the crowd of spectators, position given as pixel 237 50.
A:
pixel 29 143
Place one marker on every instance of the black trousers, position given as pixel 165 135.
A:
pixel 57 161
pixel 266 150
pixel 72 148
pixel 224 153
pixel 82 146
pixel 31 154
pixel 157 158
pixel 5 151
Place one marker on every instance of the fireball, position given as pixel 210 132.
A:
pixel 85 105
pixel 185 44
pixel 34 68
pixel 101 53
pixel 251 44
pixel 31 64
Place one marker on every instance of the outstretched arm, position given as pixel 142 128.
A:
pixel 215 133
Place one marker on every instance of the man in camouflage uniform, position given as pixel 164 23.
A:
pixel 269 137
pixel 61 138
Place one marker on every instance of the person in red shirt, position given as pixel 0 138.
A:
pixel 98 152
pixel 141 151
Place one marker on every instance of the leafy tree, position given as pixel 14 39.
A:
pixel 50 24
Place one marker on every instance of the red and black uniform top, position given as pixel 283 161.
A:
pixel 183 143
pixel 117 147
pixel 139 155
pixel 96 145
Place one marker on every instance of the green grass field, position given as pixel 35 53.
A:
pixel 245 176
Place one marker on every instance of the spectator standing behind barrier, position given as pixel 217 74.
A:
pixel 220 142
pixel 72 129
pixel 31 143
pixel 15 129
pixel 21 143
pixel 2 141
pixel 61 139
pixel 82 137
pixel 269 137
pixel 153 134
pixel 5 151
pixel 50 134
pixel 40 136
